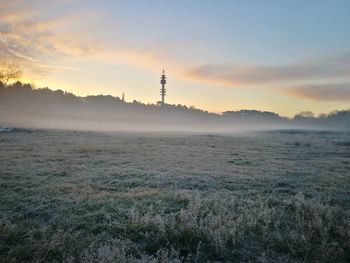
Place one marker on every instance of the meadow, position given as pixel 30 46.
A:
pixel 69 196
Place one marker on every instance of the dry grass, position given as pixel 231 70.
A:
pixel 89 197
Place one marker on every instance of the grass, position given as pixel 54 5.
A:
pixel 90 197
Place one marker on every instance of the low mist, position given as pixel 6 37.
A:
pixel 23 106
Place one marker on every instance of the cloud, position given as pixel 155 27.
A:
pixel 232 74
pixel 27 38
pixel 28 35
pixel 339 92
pixel 40 43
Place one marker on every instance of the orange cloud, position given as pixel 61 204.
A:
pixel 324 92
pixel 37 43
pixel 244 74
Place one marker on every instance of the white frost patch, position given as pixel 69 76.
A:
pixel 6 129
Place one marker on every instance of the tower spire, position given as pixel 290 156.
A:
pixel 163 90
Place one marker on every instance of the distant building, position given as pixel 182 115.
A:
pixel 123 97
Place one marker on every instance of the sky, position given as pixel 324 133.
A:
pixel 284 56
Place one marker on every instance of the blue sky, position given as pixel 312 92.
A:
pixel 268 31
pixel 283 56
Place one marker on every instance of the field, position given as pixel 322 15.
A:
pixel 280 196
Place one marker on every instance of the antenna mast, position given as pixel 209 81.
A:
pixel 163 90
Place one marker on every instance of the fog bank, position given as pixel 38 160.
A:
pixel 23 106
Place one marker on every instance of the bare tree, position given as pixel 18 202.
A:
pixel 9 71
pixel 305 114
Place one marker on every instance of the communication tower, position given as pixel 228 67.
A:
pixel 163 90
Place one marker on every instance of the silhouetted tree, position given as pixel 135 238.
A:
pixel 305 114
pixel 9 71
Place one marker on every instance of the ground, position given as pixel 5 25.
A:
pixel 281 196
